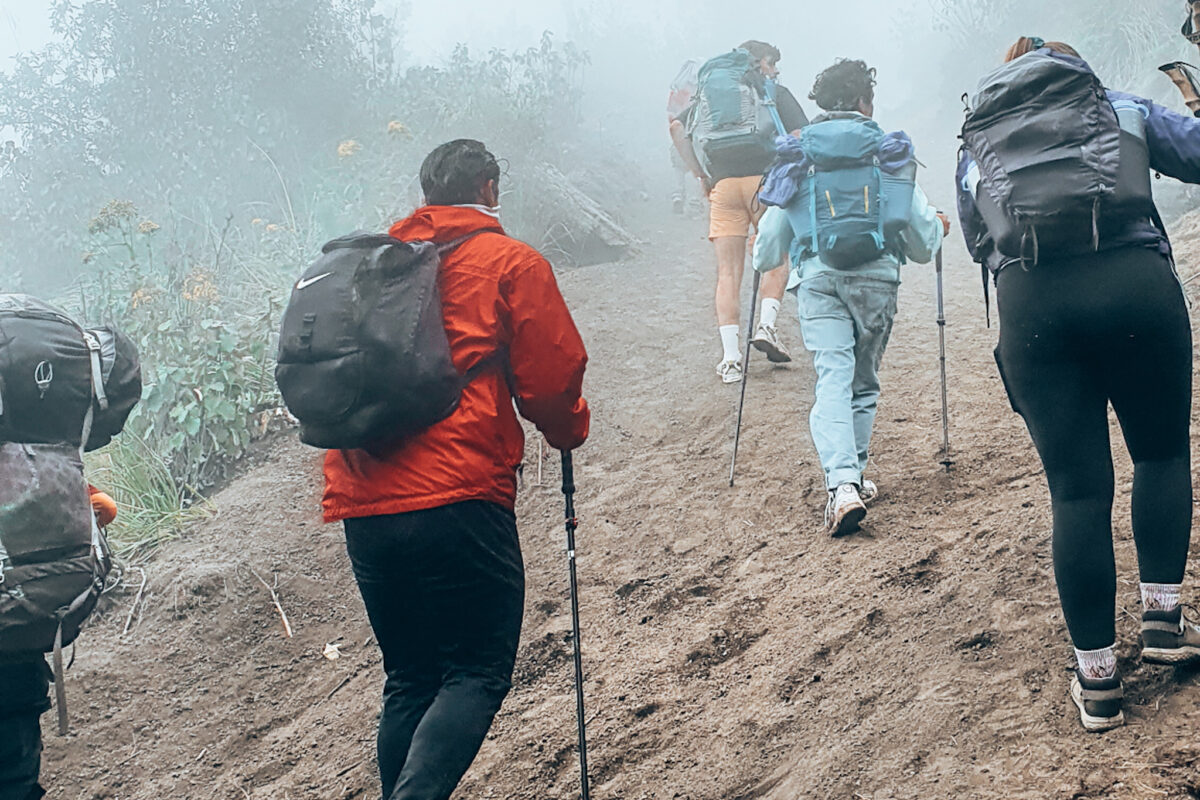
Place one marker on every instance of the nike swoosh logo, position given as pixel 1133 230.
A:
pixel 304 284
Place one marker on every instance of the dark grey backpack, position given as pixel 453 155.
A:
pixel 62 389
pixel 55 559
pixel 54 372
pixel 1056 167
pixel 363 356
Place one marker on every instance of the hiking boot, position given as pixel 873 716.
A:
pixel 1099 701
pixel 730 371
pixel 844 511
pixel 1168 638
pixel 766 340
pixel 869 491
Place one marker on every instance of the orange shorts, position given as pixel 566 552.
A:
pixel 734 207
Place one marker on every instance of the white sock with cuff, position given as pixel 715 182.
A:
pixel 770 312
pixel 1161 596
pixel 1097 664
pixel 729 341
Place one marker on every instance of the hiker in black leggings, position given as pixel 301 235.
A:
pixel 1079 332
pixel 1075 335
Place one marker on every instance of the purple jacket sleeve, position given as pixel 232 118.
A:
pixel 1173 139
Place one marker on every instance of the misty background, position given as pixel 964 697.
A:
pixel 172 165
pixel 928 53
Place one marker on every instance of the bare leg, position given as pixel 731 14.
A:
pixel 774 283
pixel 731 262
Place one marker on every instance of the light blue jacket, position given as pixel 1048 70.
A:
pixel 921 241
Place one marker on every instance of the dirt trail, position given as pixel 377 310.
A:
pixel 732 650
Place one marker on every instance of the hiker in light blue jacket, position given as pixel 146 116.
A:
pixel 831 217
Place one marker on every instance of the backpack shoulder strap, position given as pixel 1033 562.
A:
pixel 445 248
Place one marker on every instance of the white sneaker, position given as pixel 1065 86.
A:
pixel 869 491
pixel 844 511
pixel 766 340
pixel 730 371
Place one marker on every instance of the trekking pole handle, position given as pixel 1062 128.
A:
pixel 941 316
pixel 568 473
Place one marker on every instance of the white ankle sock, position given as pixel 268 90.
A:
pixel 1160 596
pixel 729 341
pixel 770 312
pixel 1097 664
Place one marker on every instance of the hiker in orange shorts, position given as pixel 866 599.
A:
pixel 730 174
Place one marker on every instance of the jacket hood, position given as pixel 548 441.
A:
pixel 445 223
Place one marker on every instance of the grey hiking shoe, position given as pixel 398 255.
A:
pixel 766 340
pixel 844 511
pixel 1099 701
pixel 1168 638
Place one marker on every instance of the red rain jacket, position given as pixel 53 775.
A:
pixel 498 295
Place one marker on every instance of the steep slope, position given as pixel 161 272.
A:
pixel 732 650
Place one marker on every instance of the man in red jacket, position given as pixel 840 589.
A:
pixel 430 527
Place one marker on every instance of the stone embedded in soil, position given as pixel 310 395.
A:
pixel 682 546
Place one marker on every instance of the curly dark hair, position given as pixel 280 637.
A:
pixel 455 171
pixel 842 86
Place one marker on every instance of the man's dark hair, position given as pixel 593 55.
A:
pixel 454 172
pixel 760 50
pixel 842 86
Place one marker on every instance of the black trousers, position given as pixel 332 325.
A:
pixel 23 697
pixel 445 592
pixel 1076 335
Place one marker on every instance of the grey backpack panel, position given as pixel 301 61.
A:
pixel 1050 150
pixel 53 559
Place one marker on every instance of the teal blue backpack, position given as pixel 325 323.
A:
pixel 734 122
pixel 849 210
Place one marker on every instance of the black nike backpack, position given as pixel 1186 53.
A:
pixel 363 356
pixel 1057 167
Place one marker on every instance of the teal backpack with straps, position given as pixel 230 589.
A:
pixel 849 210
pixel 734 122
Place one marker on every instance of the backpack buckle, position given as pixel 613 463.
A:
pixel 43 376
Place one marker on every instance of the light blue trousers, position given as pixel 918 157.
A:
pixel 846 320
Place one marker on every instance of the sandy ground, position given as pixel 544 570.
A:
pixel 732 650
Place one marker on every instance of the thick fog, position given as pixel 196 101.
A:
pixel 107 100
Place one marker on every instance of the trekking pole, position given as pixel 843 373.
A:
pixel 541 457
pixel 941 321
pixel 737 431
pixel 568 474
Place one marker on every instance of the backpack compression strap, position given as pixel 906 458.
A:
pixel 769 102
pixel 812 209
pixel 93 345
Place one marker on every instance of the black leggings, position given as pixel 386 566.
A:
pixel 1075 335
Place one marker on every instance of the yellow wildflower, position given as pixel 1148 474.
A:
pixel 141 297
pixel 147 227
pixel 348 148
pixel 112 215
pixel 199 288
pixel 398 128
